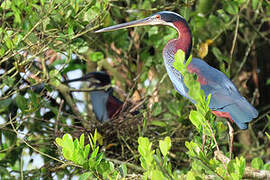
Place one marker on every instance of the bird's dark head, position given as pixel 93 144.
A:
pixel 102 78
pixel 99 78
pixel 161 18
pixel 168 17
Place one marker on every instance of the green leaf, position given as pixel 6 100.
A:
pixel 59 141
pixel 99 158
pixel 190 176
pixel 2 51
pixel 17 39
pixel 267 135
pixel 123 170
pixel 6 4
pixel 266 167
pixel 236 167
pixel 42 2
pixel 165 145
pixel 218 54
pixel 254 4
pixel 196 118
pixel 86 150
pixel 83 50
pixel 94 153
pixel 70 31
pixel 153 31
pixel 180 56
pixel 208 99
pixel 257 163
pixel 157 175
pixel 4 104
pixel 68 147
pixel 231 7
pixel 8 41
pixel 55 77
pixel 158 123
pixel 268 81
pixel 96 56
pixel 82 141
pixel 17 14
pixel 91 14
pixel 146 152
pixel 242 165
pixel 86 176
pixel 67 153
pixel 21 102
pixel 157 109
pixel 204 6
pixel 9 81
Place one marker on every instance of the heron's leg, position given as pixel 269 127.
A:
pixel 230 138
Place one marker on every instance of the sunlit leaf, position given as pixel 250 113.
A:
pixel 165 145
pixel 257 163
pixel 231 7
pixel 86 176
pixel 96 56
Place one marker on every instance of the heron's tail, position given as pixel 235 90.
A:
pixel 242 112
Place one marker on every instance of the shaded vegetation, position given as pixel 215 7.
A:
pixel 46 42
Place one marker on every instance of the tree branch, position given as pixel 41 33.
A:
pixel 250 173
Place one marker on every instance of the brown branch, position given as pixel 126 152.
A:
pixel 250 173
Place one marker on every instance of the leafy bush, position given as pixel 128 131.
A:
pixel 44 43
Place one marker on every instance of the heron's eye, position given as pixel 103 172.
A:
pixel 158 16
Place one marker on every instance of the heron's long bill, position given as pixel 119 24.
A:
pixel 83 78
pixel 141 22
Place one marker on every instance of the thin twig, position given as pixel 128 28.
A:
pixel 40 152
pixel 133 166
pixel 250 173
pixel 58 117
pixel 234 41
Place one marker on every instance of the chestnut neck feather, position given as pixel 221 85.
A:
pixel 184 40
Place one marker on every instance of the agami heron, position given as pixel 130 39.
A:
pixel 105 104
pixel 226 100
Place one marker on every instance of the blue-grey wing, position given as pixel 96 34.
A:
pixel 99 102
pixel 224 95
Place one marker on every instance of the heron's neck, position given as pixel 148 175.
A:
pixel 184 40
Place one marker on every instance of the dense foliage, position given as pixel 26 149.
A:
pixel 48 129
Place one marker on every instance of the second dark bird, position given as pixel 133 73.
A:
pixel 105 104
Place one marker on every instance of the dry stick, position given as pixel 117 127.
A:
pixel 214 138
pixel 105 88
pixel 230 138
pixel 213 135
pixel 250 173
pixel 234 41
pixel 204 141
pixel 133 166
pixel 33 28
pixel 64 90
pixel 247 52
pixel 58 117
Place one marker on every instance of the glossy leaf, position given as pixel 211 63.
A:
pixel 257 163
pixel 96 56
pixel 165 146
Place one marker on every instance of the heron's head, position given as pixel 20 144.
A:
pixel 99 78
pixel 161 18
